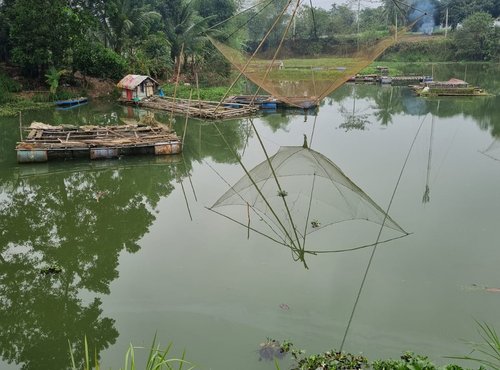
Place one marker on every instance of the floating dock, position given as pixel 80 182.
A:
pixel 452 87
pixel 393 80
pixel 268 102
pixel 198 108
pixel 45 142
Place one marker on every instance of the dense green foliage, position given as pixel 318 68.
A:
pixel 438 50
pixel 92 58
pixel 458 10
pixel 478 38
pixel 338 360
pixel 410 361
pixel 108 38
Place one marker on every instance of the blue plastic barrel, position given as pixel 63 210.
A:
pixel 268 105
pixel 32 156
pixel 103 153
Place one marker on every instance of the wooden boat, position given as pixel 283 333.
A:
pixel 452 87
pixel 73 101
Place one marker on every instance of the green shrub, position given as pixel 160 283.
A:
pixel 206 93
pixel 93 59
pixel 411 361
pixel 434 50
pixel 7 84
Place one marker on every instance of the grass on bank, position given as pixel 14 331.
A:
pixel 205 93
pixel 13 107
pixel 13 101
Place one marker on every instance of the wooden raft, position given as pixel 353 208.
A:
pixel 44 142
pixel 199 108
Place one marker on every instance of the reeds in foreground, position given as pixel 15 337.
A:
pixel 157 359
pixel 486 353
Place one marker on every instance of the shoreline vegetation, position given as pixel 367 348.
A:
pixel 485 354
pixel 13 101
pixel 83 46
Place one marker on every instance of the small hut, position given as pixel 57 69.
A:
pixel 137 87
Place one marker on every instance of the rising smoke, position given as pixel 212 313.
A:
pixel 422 11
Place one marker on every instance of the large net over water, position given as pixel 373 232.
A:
pixel 290 70
pixel 298 192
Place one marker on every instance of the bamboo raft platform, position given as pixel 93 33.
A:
pixel 394 80
pixel 45 142
pixel 270 102
pixel 198 108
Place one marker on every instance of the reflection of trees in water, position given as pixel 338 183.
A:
pixel 204 140
pixel 388 102
pixel 77 222
pixel 354 118
pixel 77 218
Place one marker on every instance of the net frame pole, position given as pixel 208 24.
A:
pixel 293 247
pixel 254 54
pixel 278 49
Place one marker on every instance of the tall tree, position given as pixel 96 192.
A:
pixel 4 31
pixel 185 29
pixel 126 17
pixel 41 32
pixel 394 10
pixel 458 10
pixel 215 11
pixel 473 38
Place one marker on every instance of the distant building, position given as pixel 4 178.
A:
pixel 137 87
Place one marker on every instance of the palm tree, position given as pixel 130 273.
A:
pixel 122 17
pixel 185 29
pixel 395 9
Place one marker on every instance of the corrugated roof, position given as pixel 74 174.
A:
pixel 456 81
pixel 130 82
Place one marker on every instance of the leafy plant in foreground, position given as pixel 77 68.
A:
pixel 411 361
pixel 157 359
pixel 328 360
pixel 488 351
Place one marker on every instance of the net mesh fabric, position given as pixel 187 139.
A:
pixel 307 82
pixel 318 194
pixel 493 150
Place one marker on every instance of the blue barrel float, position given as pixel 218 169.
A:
pixel 31 156
pixel 268 105
pixel 104 153
pixel 171 147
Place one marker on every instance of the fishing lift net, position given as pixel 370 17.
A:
pixel 299 192
pixel 493 151
pixel 306 79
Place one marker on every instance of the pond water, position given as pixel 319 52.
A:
pixel 141 254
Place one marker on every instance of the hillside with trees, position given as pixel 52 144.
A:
pixel 109 38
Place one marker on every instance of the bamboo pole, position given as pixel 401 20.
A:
pixel 20 125
pixel 248 226
pixel 187 117
pixel 198 90
pixel 186 199
pixel 255 53
pixel 279 47
pixel 177 78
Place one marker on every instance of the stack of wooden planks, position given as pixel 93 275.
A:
pixel 199 108
pixel 45 141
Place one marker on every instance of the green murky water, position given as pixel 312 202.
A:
pixel 133 263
